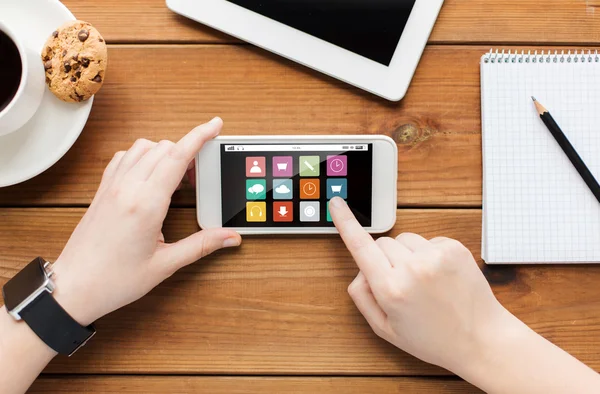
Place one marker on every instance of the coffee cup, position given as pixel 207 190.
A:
pixel 22 81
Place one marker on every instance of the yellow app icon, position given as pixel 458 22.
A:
pixel 256 212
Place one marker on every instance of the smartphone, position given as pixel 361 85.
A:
pixel 283 184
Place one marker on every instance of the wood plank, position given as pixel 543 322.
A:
pixel 496 22
pixel 247 385
pixel 437 126
pixel 261 310
pixel 500 22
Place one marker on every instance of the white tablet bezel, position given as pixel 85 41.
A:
pixel 385 176
pixel 389 82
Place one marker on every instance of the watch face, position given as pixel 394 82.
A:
pixel 23 284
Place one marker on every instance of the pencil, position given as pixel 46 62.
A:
pixel 566 146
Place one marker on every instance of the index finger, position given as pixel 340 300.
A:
pixel 371 260
pixel 172 167
pixel 192 142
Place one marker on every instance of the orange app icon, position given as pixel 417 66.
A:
pixel 283 211
pixel 310 189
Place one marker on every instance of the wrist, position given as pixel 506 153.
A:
pixel 493 348
pixel 17 335
pixel 71 296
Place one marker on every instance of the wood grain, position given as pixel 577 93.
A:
pixel 276 306
pixel 248 385
pixel 159 92
pixel 495 22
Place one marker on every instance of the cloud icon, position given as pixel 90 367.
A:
pixel 282 189
pixel 256 189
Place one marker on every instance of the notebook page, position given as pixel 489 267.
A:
pixel 537 208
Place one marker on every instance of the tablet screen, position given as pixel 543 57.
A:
pixel 370 28
pixel 291 185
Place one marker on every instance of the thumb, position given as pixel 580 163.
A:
pixel 197 246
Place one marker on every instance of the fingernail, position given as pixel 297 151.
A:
pixel 215 120
pixel 231 242
pixel 191 165
pixel 337 202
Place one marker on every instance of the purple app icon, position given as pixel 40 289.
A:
pixel 337 165
pixel 282 166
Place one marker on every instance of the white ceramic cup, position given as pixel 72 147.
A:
pixel 31 89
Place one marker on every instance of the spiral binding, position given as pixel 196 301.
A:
pixel 535 57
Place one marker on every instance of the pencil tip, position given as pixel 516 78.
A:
pixel 533 98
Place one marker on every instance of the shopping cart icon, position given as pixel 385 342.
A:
pixel 336 188
pixel 282 166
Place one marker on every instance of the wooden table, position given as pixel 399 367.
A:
pixel 274 316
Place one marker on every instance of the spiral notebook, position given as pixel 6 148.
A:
pixel 536 207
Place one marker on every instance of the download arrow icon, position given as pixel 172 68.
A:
pixel 283 211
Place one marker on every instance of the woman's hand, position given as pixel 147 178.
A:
pixel 430 299
pixel 117 253
pixel 427 297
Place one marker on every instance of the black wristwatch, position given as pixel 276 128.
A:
pixel 28 296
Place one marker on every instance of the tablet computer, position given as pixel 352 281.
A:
pixel 372 44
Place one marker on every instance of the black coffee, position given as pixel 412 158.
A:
pixel 10 70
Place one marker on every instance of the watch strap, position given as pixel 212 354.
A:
pixel 55 326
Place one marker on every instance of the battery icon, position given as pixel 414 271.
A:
pixel 360 147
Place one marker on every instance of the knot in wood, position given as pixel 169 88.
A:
pixel 406 134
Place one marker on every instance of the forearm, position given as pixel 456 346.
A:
pixel 515 359
pixel 22 355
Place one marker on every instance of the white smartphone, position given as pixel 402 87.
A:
pixel 283 184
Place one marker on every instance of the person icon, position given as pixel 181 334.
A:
pixel 255 168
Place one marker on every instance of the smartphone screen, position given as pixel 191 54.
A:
pixel 279 185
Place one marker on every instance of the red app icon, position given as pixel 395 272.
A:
pixel 256 167
pixel 283 211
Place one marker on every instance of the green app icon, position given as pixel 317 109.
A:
pixel 256 189
pixel 310 165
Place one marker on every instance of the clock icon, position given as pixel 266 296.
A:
pixel 309 188
pixel 337 165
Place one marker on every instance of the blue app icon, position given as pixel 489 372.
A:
pixel 337 187
pixel 283 189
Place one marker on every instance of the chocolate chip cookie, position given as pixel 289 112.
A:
pixel 75 59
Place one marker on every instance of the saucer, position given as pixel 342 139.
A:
pixel 56 125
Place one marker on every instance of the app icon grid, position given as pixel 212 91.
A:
pixel 310 192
